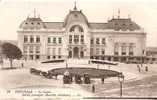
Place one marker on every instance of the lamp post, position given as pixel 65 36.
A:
pixel 66 64
pixel 121 80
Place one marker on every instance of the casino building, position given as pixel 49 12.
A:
pixel 119 39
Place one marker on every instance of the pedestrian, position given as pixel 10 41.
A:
pixel 22 65
pixel 146 68
pixel 139 69
pixel 89 62
pixel 102 80
pixel 93 88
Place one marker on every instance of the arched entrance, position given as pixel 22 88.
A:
pixel 76 52
pixel 70 54
pixel 81 54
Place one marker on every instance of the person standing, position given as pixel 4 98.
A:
pixel 146 68
pixel 139 69
pixel 102 80
pixel 22 65
pixel 93 88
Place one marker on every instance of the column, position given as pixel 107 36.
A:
pixel 28 53
pixel 127 50
pixel 35 39
pixel 34 52
pixel 28 36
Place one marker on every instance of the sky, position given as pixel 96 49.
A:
pixel 13 12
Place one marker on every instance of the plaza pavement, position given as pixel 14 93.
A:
pixel 22 79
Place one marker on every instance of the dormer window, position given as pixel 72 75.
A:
pixel 75 15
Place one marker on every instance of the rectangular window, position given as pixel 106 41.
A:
pixel 60 40
pixel 91 51
pixel 103 41
pixel 54 40
pixel 54 51
pixel 25 49
pixel 131 50
pixel 82 39
pixel 123 50
pixel 70 39
pixel 38 39
pixel 37 49
pixel 97 41
pixel 103 51
pixel 31 39
pixel 49 40
pixel 59 51
pixel 37 57
pixel 48 57
pixel 92 41
pixel 25 39
pixel 97 51
pixel 76 38
pixel 31 49
pixel 116 47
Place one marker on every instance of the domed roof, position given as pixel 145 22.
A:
pixel 32 23
pixel 75 16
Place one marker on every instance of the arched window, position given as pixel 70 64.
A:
pixel 76 28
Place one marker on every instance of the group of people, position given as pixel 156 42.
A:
pixel 68 78
pixel 140 67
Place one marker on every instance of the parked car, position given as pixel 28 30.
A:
pixel 67 78
pixel 35 71
pixel 52 74
pixel 78 79
pixel 87 79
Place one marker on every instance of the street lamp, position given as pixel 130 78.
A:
pixel 66 64
pixel 121 80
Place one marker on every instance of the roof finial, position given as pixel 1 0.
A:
pixel 129 16
pixel 112 16
pixel 38 15
pixel 75 8
pixel 34 13
pixel 118 13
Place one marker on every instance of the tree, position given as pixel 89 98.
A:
pixel 11 52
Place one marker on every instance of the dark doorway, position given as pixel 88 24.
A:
pixel 70 54
pixel 81 54
pixel 76 52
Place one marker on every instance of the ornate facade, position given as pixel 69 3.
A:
pixel 120 39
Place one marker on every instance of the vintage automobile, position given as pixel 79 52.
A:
pixel 35 71
pixel 51 74
pixel 67 78
pixel 78 79
pixel 43 73
pixel 87 79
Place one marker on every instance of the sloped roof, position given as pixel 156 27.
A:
pixel 53 25
pixel 122 24
pixel 98 25
pixel 32 23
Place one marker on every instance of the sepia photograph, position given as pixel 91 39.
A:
pixel 78 49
